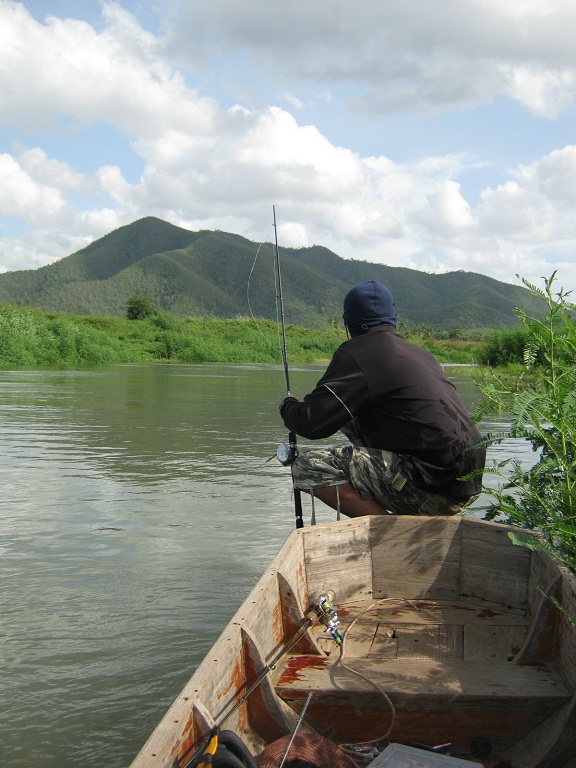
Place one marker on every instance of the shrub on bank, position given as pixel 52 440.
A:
pixel 504 347
pixel 542 404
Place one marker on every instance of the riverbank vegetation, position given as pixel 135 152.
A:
pixel 30 337
pixel 542 402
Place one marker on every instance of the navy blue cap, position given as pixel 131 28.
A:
pixel 367 304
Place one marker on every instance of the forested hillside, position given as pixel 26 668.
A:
pixel 218 274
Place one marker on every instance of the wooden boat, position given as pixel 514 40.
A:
pixel 449 634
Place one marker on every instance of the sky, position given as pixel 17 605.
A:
pixel 438 135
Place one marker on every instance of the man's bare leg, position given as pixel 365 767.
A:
pixel 351 503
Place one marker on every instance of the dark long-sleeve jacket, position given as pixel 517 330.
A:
pixel 403 402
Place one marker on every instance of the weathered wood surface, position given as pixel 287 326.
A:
pixel 432 629
pixel 460 602
pixel 551 743
pixel 416 557
pixel 493 569
pixel 433 700
pixel 566 632
pixel 339 559
pixel 230 666
pixel 424 677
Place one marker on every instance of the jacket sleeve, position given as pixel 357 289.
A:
pixel 336 399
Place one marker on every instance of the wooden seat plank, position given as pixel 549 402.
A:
pixel 433 700
pixel 410 676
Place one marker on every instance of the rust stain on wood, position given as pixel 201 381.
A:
pixel 489 613
pixel 296 665
pixel 191 741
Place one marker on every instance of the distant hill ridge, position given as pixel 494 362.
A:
pixel 219 274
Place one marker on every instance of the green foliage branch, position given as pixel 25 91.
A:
pixel 542 404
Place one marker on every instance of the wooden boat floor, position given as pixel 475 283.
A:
pixel 437 657
pixel 431 629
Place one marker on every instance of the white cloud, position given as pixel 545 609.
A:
pixel 537 205
pixel 554 176
pixel 66 69
pixel 447 214
pixel 48 171
pixel 401 54
pixel 547 93
pixel 204 166
pixel 22 196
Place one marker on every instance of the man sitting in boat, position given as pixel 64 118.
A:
pixel 411 440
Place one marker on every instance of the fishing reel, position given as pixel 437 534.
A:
pixel 286 453
pixel 327 614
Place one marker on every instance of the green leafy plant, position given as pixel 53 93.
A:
pixel 139 307
pixel 542 405
pixel 504 347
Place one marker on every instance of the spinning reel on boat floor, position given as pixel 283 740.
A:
pixel 326 612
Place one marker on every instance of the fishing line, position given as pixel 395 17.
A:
pixel 286 454
pixel 277 349
pixel 280 304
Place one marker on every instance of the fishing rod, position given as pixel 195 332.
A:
pixel 323 610
pixel 286 453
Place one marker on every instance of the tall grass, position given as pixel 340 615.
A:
pixel 30 337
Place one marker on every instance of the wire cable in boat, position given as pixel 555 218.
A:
pixel 349 749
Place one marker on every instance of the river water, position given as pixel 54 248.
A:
pixel 140 504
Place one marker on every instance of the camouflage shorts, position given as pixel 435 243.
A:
pixel 375 474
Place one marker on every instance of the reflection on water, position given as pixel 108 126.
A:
pixel 139 506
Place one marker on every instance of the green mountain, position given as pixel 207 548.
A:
pixel 224 275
